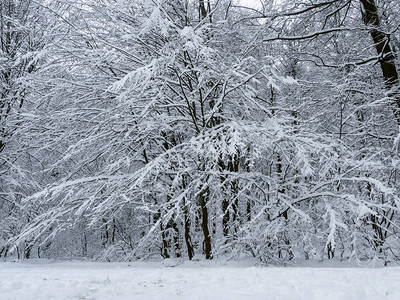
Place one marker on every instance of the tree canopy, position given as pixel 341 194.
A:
pixel 143 129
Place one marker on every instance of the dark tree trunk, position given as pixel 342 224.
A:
pixel 105 235
pixel 225 218
pixel 204 10
pixel 188 239
pixel 164 252
pixel 186 220
pixel 382 44
pixel 113 232
pixel 175 239
pixel 164 243
pixel 230 195
pixel 27 251
pixel 279 169
pixel 330 251
pixel 204 223
pixel 234 168
pixel 225 201
pixel 3 250
pixel 85 245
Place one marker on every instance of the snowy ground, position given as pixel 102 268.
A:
pixel 192 280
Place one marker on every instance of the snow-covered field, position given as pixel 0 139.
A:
pixel 192 280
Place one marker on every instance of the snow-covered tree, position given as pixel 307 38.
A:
pixel 184 128
pixel 22 45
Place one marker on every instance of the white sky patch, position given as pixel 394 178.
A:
pixel 257 4
pixel 250 3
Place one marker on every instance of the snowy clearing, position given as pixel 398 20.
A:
pixel 192 280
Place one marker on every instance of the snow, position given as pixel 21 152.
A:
pixel 193 280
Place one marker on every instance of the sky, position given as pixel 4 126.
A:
pixel 250 3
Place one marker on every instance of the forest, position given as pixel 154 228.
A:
pixel 150 129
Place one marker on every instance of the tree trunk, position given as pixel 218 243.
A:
pixel 204 224
pixel 382 44
pixel 204 10
pixel 188 240
pixel 164 252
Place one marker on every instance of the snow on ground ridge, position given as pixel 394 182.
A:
pixel 192 280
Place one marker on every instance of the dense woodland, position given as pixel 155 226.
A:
pixel 140 129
